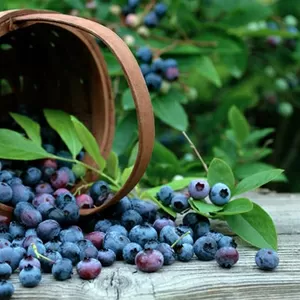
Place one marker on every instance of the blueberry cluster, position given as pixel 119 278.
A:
pixel 158 72
pixel 219 194
pixel 132 230
pixel 150 20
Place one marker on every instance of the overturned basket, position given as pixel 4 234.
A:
pixel 51 60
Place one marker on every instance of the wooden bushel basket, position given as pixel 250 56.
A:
pixel 51 60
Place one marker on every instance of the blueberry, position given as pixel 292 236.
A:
pixel 5 235
pixel 72 234
pixel 30 276
pixel 149 261
pixel 89 268
pixel 226 257
pixel 158 66
pixel 99 189
pixel 146 209
pixel 5 271
pixel 62 269
pixel 30 217
pixel 30 231
pixel 152 244
pixel 16 229
pixel 44 188
pixel 201 229
pixel 198 189
pixel 17 242
pixel 267 259
pixel 47 173
pixel 165 195
pixel 14 180
pixel 226 241
pixel 20 207
pixel 84 201
pixel 160 9
pixel 32 176
pixel 102 225
pixel 48 230
pixel 63 199
pixel 151 20
pixel 5 193
pixel 130 251
pixel 145 69
pixel 57 215
pixel 205 248
pixel 4 243
pixel 215 235
pixel 119 229
pixel 170 63
pixel 107 257
pixel 168 253
pixel 171 74
pixel 29 260
pixel 46 264
pixel 19 252
pixel 141 234
pixel 59 179
pixel 5 176
pixel 71 251
pixel 115 242
pixel 48 163
pixel 131 218
pixel 133 3
pixel 185 252
pixel 182 229
pixel 168 235
pixel 219 194
pixel 96 237
pixel 53 245
pixel 44 209
pixel 121 207
pixel 70 173
pixel 43 198
pixel 159 224
pixel 88 252
pixel 144 54
pixel 10 256
pixel 126 10
pixel 83 244
pixel 6 290
pixel 31 239
pixel 153 81
pixel 179 202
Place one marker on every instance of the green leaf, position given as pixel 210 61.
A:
pixel 126 173
pixel 256 180
pixel 76 4
pixel 167 209
pixel 219 171
pixel 89 143
pixel 239 124
pixel 163 154
pixel 205 208
pixel 127 100
pixel 236 206
pixel 245 170
pixel 170 111
pixel 255 227
pixel 15 146
pixel 62 124
pixel 112 165
pixel 207 69
pixel 31 127
pixel 258 134
pixel 176 185
pixel 113 65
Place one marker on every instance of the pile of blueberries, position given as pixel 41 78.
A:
pixel 151 20
pixel 47 235
pixel 158 73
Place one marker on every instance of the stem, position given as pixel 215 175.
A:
pixel 38 255
pixel 175 243
pixel 196 151
pixel 84 186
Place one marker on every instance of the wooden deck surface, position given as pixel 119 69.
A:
pixel 196 279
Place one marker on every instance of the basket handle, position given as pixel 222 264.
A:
pixel 135 81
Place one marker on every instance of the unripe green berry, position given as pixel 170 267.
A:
pixel 192 94
pixel 285 109
pixel 281 84
pixel 129 40
pixel 290 20
pixel 115 10
pixel 270 72
pixel 79 170
pixel 143 31
pixel 165 87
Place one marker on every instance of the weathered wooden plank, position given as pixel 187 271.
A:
pixel 196 279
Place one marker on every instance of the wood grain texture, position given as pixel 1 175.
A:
pixel 196 279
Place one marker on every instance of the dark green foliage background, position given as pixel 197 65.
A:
pixel 238 68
